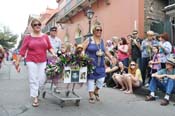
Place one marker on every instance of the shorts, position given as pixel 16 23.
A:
pixel 92 83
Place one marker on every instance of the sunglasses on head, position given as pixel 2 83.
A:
pixel 99 30
pixel 37 24
pixel 133 64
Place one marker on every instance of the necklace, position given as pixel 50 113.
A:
pixel 99 52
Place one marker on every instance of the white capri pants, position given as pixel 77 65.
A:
pixel 91 84
pixel 37 77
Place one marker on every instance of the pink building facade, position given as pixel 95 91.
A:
pixel 117 17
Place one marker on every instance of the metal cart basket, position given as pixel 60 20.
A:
pixel 63 86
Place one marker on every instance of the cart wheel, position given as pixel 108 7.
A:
pixel 61 103
pixel 77 102
pixel 56 91
pixel 67 93
pixel 44 94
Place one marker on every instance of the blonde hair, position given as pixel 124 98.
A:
pixel 115 38
pixel 67 46
pixel 150 33
pixel 33 21
pixel 95 26
pixel 131 70
pixel 1 48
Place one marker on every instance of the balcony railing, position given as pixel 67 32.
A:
pixel 73 4
pixel 68 8
pixel 51 23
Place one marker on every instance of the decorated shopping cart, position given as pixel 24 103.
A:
pixel 65 75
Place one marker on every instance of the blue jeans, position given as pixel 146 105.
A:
pixel 167 87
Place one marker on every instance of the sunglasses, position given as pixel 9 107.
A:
pixel 134 34
pixel 133 64
pixel 39 24
pixel 99 30
pixel 54 30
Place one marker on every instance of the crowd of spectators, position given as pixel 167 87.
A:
pixel 142 62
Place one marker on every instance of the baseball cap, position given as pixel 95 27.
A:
pixel 53 28
pixel 134 32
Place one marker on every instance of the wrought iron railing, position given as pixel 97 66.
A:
pixel 72 4
pixel 68 8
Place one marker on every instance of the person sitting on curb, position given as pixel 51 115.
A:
pixel 110 70
pixel 163 79
pixel 119 74
pixel 133 78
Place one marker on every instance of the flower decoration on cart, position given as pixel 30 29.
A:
pixel 75 61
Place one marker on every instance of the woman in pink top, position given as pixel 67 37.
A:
pixel 123 50
pixel 34 48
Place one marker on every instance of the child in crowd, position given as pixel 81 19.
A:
pixel 155 62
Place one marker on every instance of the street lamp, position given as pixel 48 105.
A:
pixel 89 14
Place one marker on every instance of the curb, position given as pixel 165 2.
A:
pixel 143 91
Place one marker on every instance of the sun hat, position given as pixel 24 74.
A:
pixel 171 59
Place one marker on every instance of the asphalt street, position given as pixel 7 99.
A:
pixel 15 100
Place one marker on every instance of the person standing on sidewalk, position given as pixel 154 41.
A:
pixel 2 55
pixel 55 42
pixel 136 47
pixel 34 47
pixel 146 53
pixel 95 49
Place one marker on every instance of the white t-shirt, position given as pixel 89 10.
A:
pixel 56 43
